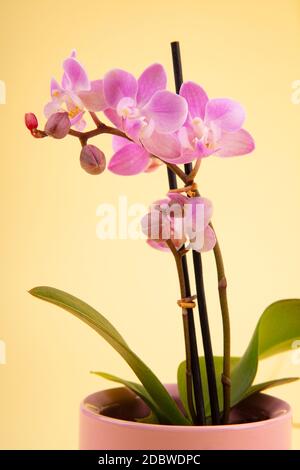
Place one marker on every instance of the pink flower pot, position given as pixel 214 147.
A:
pixel 105 425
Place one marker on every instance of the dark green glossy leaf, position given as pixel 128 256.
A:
pixel 277 328
pixel 158 393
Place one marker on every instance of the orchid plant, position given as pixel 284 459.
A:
pixel 152 127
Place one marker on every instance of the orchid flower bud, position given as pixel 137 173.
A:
pixel 31 121
pixel 92 160
pixel 58 125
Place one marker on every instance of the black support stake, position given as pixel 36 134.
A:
pixel 197 261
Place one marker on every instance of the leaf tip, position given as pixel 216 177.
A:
pixel 34 291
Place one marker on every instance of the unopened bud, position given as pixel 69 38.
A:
pixel 31 121
pixel 92 160
pixel 58 125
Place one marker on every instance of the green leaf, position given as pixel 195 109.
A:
pixel 138 389
pixel 270 384
pixel 158 393
pixel 277 328
pixel 150 419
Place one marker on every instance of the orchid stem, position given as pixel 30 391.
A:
pixel 95 118
pixel 193 377
pixel 102 129
pixel 226 376
pixel 195 170
pixel 193 374
pixel 178 171
pixel 206 339
pixel 188 368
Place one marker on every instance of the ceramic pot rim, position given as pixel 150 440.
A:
pixel 286 414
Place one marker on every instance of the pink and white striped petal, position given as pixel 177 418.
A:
pixel 55 89
pixel 153 79
pixel 232 144
pixel 209 239
pixel 168 111
pixel 225 113
pixel 131 159
pixel 119 84
pixel 93 99
pixel 76 75
pixel 118 142
pixel 165 146
pixel 113 116
pixel 196 99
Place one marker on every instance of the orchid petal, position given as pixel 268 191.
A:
pixel 178 198
pixel 158 245
pixel 113 116
pixel 202 151
pixel 186 135
pixel 154 164
pixel 146 129
pixel 76 74
pixel 204 241
pixel 197 214
pixel 153 223
pixel 117 85
pixel 207 208
pixel 196 98
pixel 209 239
pixel 118 142
pixel 164 146
pixel 182 200
pixel 76 119
pixel 153 79
pixel 80 124
pixel 168 111
pixel 129 160
pixel 55 88
pixel 72 100
pixel 52 107
pixel 235 143
pixel 185 157
pixel 166 220
pixel 160 223
pixel 227 114
pixel 94 100
pixel 162 245
pixel 66 82
pixel 126 107
pixel 133 129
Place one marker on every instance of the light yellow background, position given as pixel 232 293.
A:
pixel 241 49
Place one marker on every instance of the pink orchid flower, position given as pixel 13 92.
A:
pixel 147 113
pixel 213 126
pixel 180 219
pixel 75 94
